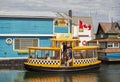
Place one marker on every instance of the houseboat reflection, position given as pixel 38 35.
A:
pixel 37 77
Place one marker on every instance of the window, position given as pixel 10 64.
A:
pixel 113 45
pixel 116 45
pixel 23 43
pixel 101 35
pixel 60 22
pixel 56 23
pixel 102 45
pixel 110 45
pixel 118 35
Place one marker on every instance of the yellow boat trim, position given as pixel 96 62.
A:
pixel 86 64
pixel 42 65
pixel 85 48
pixel 45 48
pixel 59 65
pixel 70 40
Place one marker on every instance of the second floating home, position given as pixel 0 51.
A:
pixel 108 36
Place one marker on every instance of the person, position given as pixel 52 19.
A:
pixel 36 55
pixel 69 55
pixel 47 57
pixel 64 49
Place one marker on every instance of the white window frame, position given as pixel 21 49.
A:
pixel 109 45
pixel 112 45
pixel 117 45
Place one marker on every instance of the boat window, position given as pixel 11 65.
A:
pixel 80 54
pixel 41 54
pixel 77 55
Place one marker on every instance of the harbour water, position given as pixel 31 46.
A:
pixel 107 73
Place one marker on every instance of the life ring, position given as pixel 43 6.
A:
pixel 84 42
pixel 9 40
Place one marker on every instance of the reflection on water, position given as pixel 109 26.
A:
pixel 69 77
pixel 24 76
pixel 85 78
pixel 107 73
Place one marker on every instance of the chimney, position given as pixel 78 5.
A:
pixel 70 20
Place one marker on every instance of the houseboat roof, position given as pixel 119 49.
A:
pixel 110 27
pixel 85 19
pixel 33 14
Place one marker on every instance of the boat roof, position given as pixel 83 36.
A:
pixel 85 47
pixel 67 40
pixel 57 49
pixel 44 48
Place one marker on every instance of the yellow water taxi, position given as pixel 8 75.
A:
pixel 65 55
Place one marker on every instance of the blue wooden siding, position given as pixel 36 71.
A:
pixel 5 49
pixel 26 26
pixel 45 42
pixel 8 50
pixel 59 29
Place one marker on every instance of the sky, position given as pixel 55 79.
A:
pixel 99 10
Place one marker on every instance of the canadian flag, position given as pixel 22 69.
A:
pixel 82 25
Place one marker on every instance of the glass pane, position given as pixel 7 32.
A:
pixel 116 45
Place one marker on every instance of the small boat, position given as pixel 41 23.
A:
pixel 112 58
pixel 65 55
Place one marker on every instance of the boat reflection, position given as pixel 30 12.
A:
pixel 39 77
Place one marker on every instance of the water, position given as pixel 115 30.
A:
pixel 107 73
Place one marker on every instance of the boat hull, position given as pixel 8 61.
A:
pixel 61 69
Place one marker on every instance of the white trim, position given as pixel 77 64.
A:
pixel 13 44
pixel 27 35
pixel 8 58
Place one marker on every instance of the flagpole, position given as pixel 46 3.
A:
pixel 70 20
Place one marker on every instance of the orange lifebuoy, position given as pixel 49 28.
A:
pixel 84 42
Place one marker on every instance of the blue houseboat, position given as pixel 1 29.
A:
pixel 18 30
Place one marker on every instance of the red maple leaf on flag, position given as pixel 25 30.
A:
pixel 80 24
pixel 89 27
pixel 83 25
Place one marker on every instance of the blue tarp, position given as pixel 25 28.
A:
pixel 112 56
